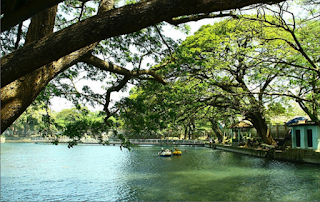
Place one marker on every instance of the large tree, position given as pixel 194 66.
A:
pixel 224 61
pixel 28 68
pixel 242 65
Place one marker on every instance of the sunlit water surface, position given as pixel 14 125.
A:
pixel 39 172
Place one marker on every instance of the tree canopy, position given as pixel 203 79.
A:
pixel 37 51
pixel 237 66
pixel 243 66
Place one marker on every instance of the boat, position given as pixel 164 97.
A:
pixel 165 153
pixel 177 153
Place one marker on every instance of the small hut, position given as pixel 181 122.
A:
pixel 239 130
pixel 305 135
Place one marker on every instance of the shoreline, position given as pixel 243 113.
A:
pixel 19 141
pixel 293 155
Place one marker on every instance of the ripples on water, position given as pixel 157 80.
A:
pixel 38 172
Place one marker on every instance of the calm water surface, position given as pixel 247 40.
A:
pixel 40 172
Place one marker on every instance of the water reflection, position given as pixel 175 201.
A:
pixel 97 173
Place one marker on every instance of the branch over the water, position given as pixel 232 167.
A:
pixel 123 20
pixel 110 67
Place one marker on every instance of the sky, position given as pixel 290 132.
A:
pixel 59 104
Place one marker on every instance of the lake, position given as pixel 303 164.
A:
pixel 44 172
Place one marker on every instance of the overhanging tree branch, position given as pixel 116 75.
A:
pixel 114 88
pixel 106 25
pixel 110 67
pixel 176 21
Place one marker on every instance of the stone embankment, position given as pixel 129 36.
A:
pixel 295 155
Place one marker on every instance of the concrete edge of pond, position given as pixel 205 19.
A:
pixel 294 155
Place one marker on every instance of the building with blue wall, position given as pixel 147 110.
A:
pixel 305 136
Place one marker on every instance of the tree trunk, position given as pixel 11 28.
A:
pixel 261 126
pixel 25 129
pixel 216 129
pixel 18 95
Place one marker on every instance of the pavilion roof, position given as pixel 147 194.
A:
pixel 242 124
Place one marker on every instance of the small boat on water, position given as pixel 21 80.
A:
pixel 177 153
pixel 165 153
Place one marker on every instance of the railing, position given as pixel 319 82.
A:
pixel 86 140
pixel 167 142
pixel 133 141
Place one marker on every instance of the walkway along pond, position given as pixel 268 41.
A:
pixel 303 145
pixel 296 155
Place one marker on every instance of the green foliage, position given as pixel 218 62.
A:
pixel 128 51
pixel 170 110
pixel 131 50
pixel 28 124
pixel 276 109
pixel 234 67
pixel 78 123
